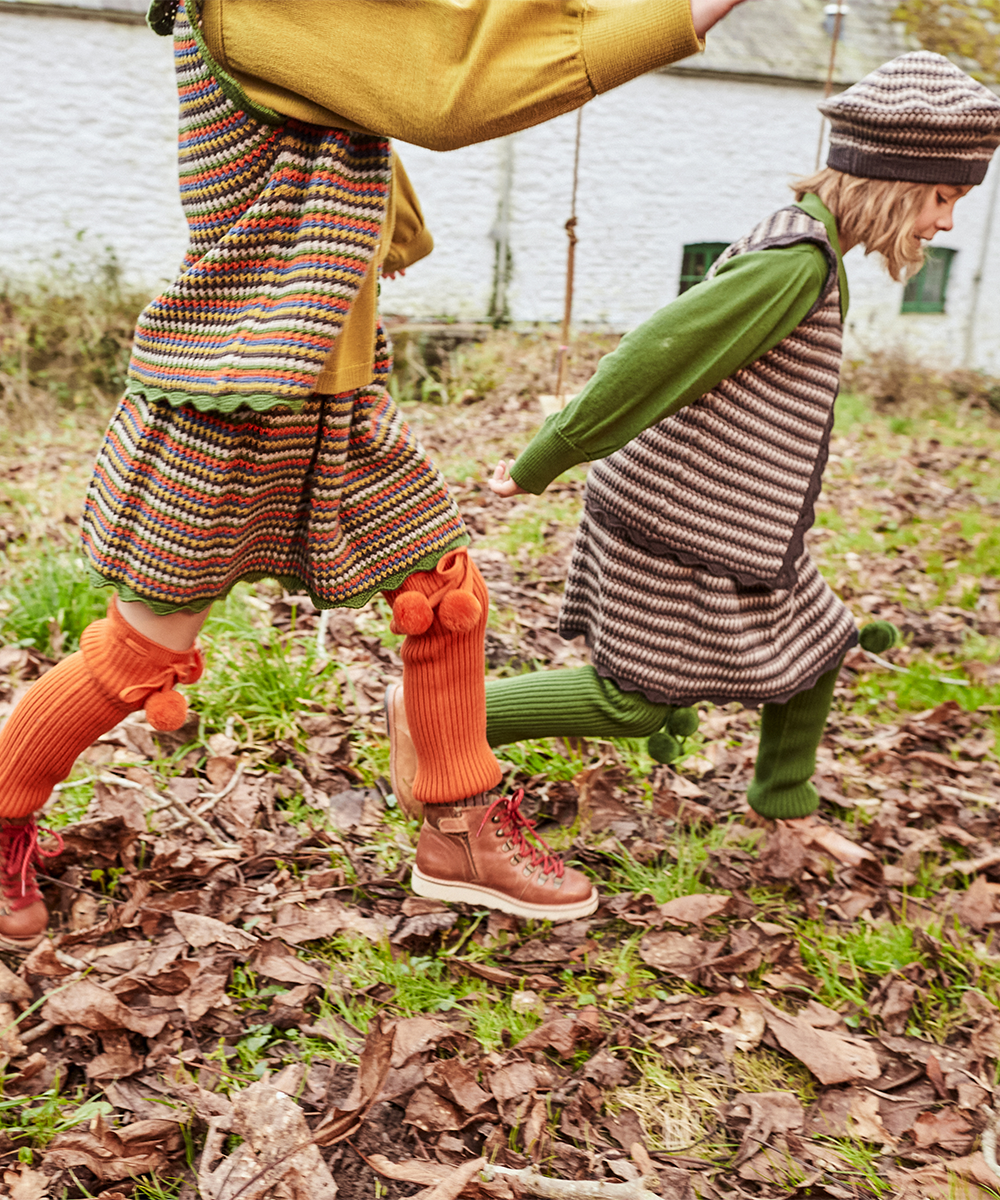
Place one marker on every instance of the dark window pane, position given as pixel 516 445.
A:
pixel 927 290
pixel 698 257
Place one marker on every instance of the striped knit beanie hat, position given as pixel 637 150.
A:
pixel 917 118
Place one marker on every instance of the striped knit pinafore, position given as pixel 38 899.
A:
pixel 689 577
pixel 221 462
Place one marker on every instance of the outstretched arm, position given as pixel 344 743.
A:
pixel 679 354
pixel 446 73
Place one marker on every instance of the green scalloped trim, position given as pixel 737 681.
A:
pixel 258 402
pixel 160 18
pixel 230 88
pixel 291 583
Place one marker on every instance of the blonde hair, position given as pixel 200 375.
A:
pixel 878 214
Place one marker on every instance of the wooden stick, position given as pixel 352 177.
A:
pixel 529 1180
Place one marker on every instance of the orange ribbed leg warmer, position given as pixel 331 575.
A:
pixel 116 671
pixel 443 613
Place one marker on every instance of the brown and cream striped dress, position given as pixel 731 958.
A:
pixel 689 577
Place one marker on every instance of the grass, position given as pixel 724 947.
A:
pixel 47 1114
pixel 50 605
pixel 257 677
pixel 67 337
pixel 679 872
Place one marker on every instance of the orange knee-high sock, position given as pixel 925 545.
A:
pixel 116 671
pixel 443 613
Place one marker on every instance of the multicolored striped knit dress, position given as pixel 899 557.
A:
pixel 222 463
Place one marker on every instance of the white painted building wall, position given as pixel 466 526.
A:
pixel 665 161
pixel 88 149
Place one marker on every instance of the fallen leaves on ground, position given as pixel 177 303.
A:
pixel 192 989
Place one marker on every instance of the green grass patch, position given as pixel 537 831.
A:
pixel 50 603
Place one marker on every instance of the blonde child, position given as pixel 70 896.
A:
pixel 709 429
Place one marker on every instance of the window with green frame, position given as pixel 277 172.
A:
pixel 926 291
pixel 698 257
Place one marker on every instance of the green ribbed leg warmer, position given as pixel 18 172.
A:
pixel 575 702
pixel 789 735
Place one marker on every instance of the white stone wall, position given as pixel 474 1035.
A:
pixel 89 128
pixel 88 113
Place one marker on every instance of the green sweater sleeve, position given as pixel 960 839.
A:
pixel 712 330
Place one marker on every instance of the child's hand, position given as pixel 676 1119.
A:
pixel 393 274
pixel 502 484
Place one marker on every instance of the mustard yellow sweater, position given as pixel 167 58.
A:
pixel 438 73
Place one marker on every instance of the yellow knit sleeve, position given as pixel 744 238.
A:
pixel 441 73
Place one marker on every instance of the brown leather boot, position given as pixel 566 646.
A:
pixel 23 915
pixel 402 753
pixel 481 855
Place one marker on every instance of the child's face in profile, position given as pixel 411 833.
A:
pixel 938 210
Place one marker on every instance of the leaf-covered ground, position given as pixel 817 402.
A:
pixel 241 997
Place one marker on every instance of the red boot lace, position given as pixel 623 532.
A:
pixel 514 825
pixel 19 851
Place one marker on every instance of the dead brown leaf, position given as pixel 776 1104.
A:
pixel 765 1113
pixel 695 909
pixel 831 1057
pixel 278 1157
pixel 201 931
pixel 677 953
pixel 112 1154
pixel 88 1004
pixel 947 1128
pixel 978 903
pixel 373 1067
pixel 25 1183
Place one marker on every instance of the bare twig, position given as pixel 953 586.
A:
pixel 202 824
pixel 884 662
pixel 946 789
pixel 37 1031
pixel 321 628
pixel 214 797
pixel 989 1140
pixel 529 1180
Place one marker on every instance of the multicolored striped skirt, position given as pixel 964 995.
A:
pixel 338 500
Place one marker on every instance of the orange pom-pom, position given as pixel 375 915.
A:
pixel 412 614
pixel 166 711
pixel 460 612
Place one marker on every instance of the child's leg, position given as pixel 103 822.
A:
pixel 789 735
pixel 472 847
pixel 575 702
pixel 443 688
pixel 116 671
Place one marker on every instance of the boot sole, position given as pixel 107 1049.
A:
pixel 410 807
pixel 471 893
pixel 25 945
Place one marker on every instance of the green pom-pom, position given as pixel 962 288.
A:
pixel 682 722
pixel 664 747
pixel 879 636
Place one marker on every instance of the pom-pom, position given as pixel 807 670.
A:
pixel 166 711
pixel 664 747
pixel 879 636
pixel 682 722
pixel 412 614
pixel 460 612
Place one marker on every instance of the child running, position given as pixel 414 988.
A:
pixel 689 578
pixel 256 438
